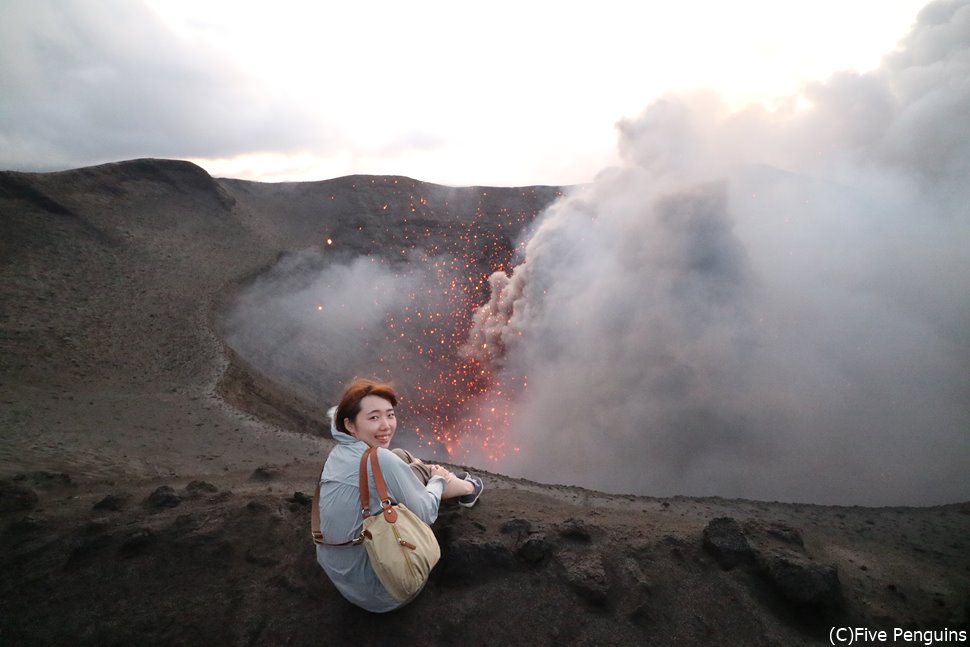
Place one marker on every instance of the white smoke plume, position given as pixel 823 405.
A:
pixel 767 304
pixel 317 319
pixel 311 323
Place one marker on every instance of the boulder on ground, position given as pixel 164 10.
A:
pixel 725 542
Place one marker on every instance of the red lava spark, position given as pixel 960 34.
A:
pixel 462 405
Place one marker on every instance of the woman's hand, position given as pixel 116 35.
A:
pixel 438 470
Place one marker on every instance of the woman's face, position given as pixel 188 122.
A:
pixel 375 424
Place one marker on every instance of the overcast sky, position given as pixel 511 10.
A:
pixel 502 93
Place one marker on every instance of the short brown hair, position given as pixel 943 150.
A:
pixel 359 389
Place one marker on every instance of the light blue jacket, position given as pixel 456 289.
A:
pixel 340 517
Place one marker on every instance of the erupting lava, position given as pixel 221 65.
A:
pixel 390 291
pixel 467 408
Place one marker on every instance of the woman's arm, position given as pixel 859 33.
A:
pixel 404 487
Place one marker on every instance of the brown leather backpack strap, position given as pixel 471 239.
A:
pixel 315 517
pixel 390 514
pixel 362 484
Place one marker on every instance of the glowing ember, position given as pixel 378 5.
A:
pixel 400 299
pixel 468 411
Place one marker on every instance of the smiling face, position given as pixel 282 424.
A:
pixel 375 424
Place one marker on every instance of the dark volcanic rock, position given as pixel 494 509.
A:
pixel 260 557
pixel 111 503
pixel 786 534
pixel 300 498
pixel 576 530
pixel 86 550
pixel 28 525
pixel 519 528
pixel 137 543
pixel 163 497
pixel 470 560
pixel 726 543
pixel 43 478
pixel 586 574
pixel 199 488
pixel 16 498
pixel 266 473
pixel 805 582
pixel 531 547
pixel 535 548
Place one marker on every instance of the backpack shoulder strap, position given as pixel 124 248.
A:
pixel 390 514
pixel 362 484
pixel 315 516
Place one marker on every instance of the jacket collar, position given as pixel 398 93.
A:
pixel 341 437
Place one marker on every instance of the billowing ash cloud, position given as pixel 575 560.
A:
pixel 758 304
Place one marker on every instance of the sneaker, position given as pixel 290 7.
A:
pixel 471 499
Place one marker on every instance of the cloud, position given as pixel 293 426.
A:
pixel 90 82
pixel 758 304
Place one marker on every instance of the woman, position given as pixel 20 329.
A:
pixel 365 418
